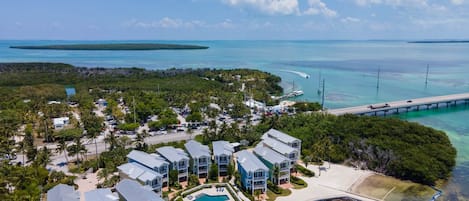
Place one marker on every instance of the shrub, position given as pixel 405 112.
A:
pixel 304 171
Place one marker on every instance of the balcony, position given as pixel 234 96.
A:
pixel 258 186
pixel 259 178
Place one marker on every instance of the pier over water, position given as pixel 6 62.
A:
pixel 404 105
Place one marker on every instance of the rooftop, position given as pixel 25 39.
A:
pixel 270 155
pixel 197 150
pixel 222 147
pixel 60 120
pixel 146 159
pixel 278 146
pixel 279 135
pixel 101 194
pixel 249 161
pixel 132 191
pixel 172 154
pixel 63 192
pixel 140 172
pixel 70 91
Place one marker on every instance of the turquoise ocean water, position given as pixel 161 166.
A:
pixel 348 67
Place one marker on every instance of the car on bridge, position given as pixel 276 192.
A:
pixel 379 106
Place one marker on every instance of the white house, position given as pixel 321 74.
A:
pixel 60 122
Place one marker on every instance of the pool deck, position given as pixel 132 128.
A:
pixel 209 191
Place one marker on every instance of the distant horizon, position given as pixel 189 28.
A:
pixel 234 20
pixel 410 39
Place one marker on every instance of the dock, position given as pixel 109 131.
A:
pixel 396 107
pixel 289 95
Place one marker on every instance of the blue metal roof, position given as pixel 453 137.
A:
pixel 197 150
pixel 278 146
pixel 101 194
pixel 270 155
pixel 249 161
pixel 280 136
pixel 70 91
pixel 140 172
pixel 132 191
pixel 146 159
pixel 63 192
pixel 172 154
pixel 222 147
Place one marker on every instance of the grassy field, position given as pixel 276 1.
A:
pixel 390 189
pixel 272 196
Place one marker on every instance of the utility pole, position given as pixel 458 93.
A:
pixel 377 82
pixel 323 93
pixel 426 77
pixel 135 115
pixel 319 83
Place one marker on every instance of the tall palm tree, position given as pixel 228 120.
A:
pixel 62 148
pixel 111 139
pixel 276 173
pixel 76 149
pixel 43 158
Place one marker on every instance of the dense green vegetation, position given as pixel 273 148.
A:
pixel 27 88
pixel 119 46
pixel 387 145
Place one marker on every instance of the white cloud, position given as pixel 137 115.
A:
pixel 418 3
pixel 367 2
pixel 283 7
pixel 165 22
pixel 174 23
pixel 457 2
pixel 318 7
pixel 350 20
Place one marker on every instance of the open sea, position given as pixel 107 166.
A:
pixel 349 68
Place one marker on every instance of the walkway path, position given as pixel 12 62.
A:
pixel 333 182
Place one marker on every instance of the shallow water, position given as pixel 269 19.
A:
pixel 349 68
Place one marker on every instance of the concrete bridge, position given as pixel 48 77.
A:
pixel 404 105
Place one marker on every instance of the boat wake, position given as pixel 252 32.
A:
pixel 304 75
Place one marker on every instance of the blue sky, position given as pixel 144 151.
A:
pixel 234 19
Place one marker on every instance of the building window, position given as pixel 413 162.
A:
pixel 258 174
pixel 181 164
pixel 295 145
pixel 283 165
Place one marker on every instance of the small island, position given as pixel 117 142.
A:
pixel 117 46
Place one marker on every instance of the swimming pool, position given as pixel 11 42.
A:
pixel 206 197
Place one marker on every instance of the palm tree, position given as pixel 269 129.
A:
pixel 111 140
pixel 276 173
pixel 76 149
pixel 205 135
pixel 306 159
pixel 43 158
pixel 104 174
pixel 62 147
